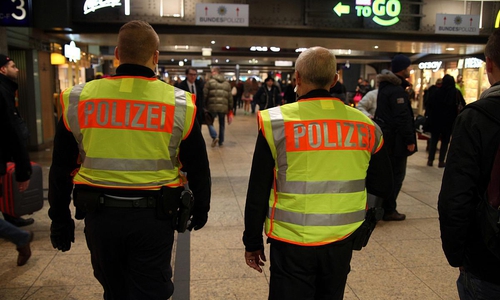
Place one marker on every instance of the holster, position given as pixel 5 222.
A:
pixel 184 214
pixel 86 201
pixel 168 203
pixel 363 233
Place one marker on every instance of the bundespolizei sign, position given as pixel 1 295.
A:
pixel 222 14
pixel 457 24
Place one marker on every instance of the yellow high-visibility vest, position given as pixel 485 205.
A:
pixel 322 149
pixel 128 130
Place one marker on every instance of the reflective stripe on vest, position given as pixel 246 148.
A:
pixel 146 122
pixel 321 209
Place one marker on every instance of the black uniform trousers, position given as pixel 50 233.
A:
pixel 309 272
pixel 398 166
pixel 130 252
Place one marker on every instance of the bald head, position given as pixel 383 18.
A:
pixel 316 68
pixel 138 44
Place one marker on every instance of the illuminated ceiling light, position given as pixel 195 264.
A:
pixel 172 59
pixel 181 63
pixel 227 60
pixel 227 47
pixel 376 47
pixel 300 49
pixel 450 49
pixel 212 42
pixel 275 49
pixel 216 60
pixel 185 59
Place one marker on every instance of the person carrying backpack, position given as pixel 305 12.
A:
pixel 475 140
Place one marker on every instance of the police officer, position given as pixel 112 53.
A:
pixel 307 184
pixel 122 142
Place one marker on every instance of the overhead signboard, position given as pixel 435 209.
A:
pixel 15 13
pixel 457 24
pixel 382 12
pixel 222 14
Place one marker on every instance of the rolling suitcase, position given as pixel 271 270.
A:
pixel 15 203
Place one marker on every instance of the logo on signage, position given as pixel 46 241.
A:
pixel 93 5
pixel 72 52
pixel 383 12
pixel 434 65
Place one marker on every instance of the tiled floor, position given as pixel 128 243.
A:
pixel 403 260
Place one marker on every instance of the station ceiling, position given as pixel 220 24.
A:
pixel 231 46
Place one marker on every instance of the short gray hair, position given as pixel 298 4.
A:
pixel 317 66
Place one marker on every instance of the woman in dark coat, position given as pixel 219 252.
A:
pixel 441 111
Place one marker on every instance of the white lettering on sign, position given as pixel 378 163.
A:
pixel 434 65
pixel 473 63
pixel 93 5
pixel 72 52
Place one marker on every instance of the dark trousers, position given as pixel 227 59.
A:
pixel 130 251
pixel 309 273
pixel 445 140
pixel 472 288
pixel 398 167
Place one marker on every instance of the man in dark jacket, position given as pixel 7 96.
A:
pixel 394 115
pixel 190 84
pixel 268 95
pixel 466 176
pixel 13 133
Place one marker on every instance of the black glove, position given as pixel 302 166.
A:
pixel 62 234
pixel 198 221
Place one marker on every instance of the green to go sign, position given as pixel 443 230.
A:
pixel 384 12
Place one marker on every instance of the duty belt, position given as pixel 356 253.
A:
pixel 116 201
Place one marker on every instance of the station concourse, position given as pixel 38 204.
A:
pixel 403 260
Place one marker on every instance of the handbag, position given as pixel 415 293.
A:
pixel 207 117
pixel 357 97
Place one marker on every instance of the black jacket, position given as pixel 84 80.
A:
pixel 199 98
pixel 266 98
pixel 13 132
pixel 378 182
pixel 394 114
pixel 442 107
pixel 65 161
pixel 468 167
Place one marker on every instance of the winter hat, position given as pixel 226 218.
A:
pixel 399 63
pixel 4 59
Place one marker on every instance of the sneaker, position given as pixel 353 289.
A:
pixel 394 216
pixel 18 221
pixel 214 142
pixel 24 252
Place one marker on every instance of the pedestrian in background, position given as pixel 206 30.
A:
pixel 442 109
pixel 219 101
pixel 13 134
pixel 129 195
pixel 395 116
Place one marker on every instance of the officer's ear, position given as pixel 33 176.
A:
pixel 335 79
pixel 116 54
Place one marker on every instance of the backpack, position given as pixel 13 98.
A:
pixel 488 209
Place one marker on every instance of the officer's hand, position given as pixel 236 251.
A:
pixel 62 234
pixel 255 259
pixel 198 221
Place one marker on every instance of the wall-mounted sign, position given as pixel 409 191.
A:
pixel 15 13
pixel 283 63
pixel 457 24
pixel 382 12
pixel 93 5
pixel 221 14
pixel 433 65
pixel 72 52
pixel 197 63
